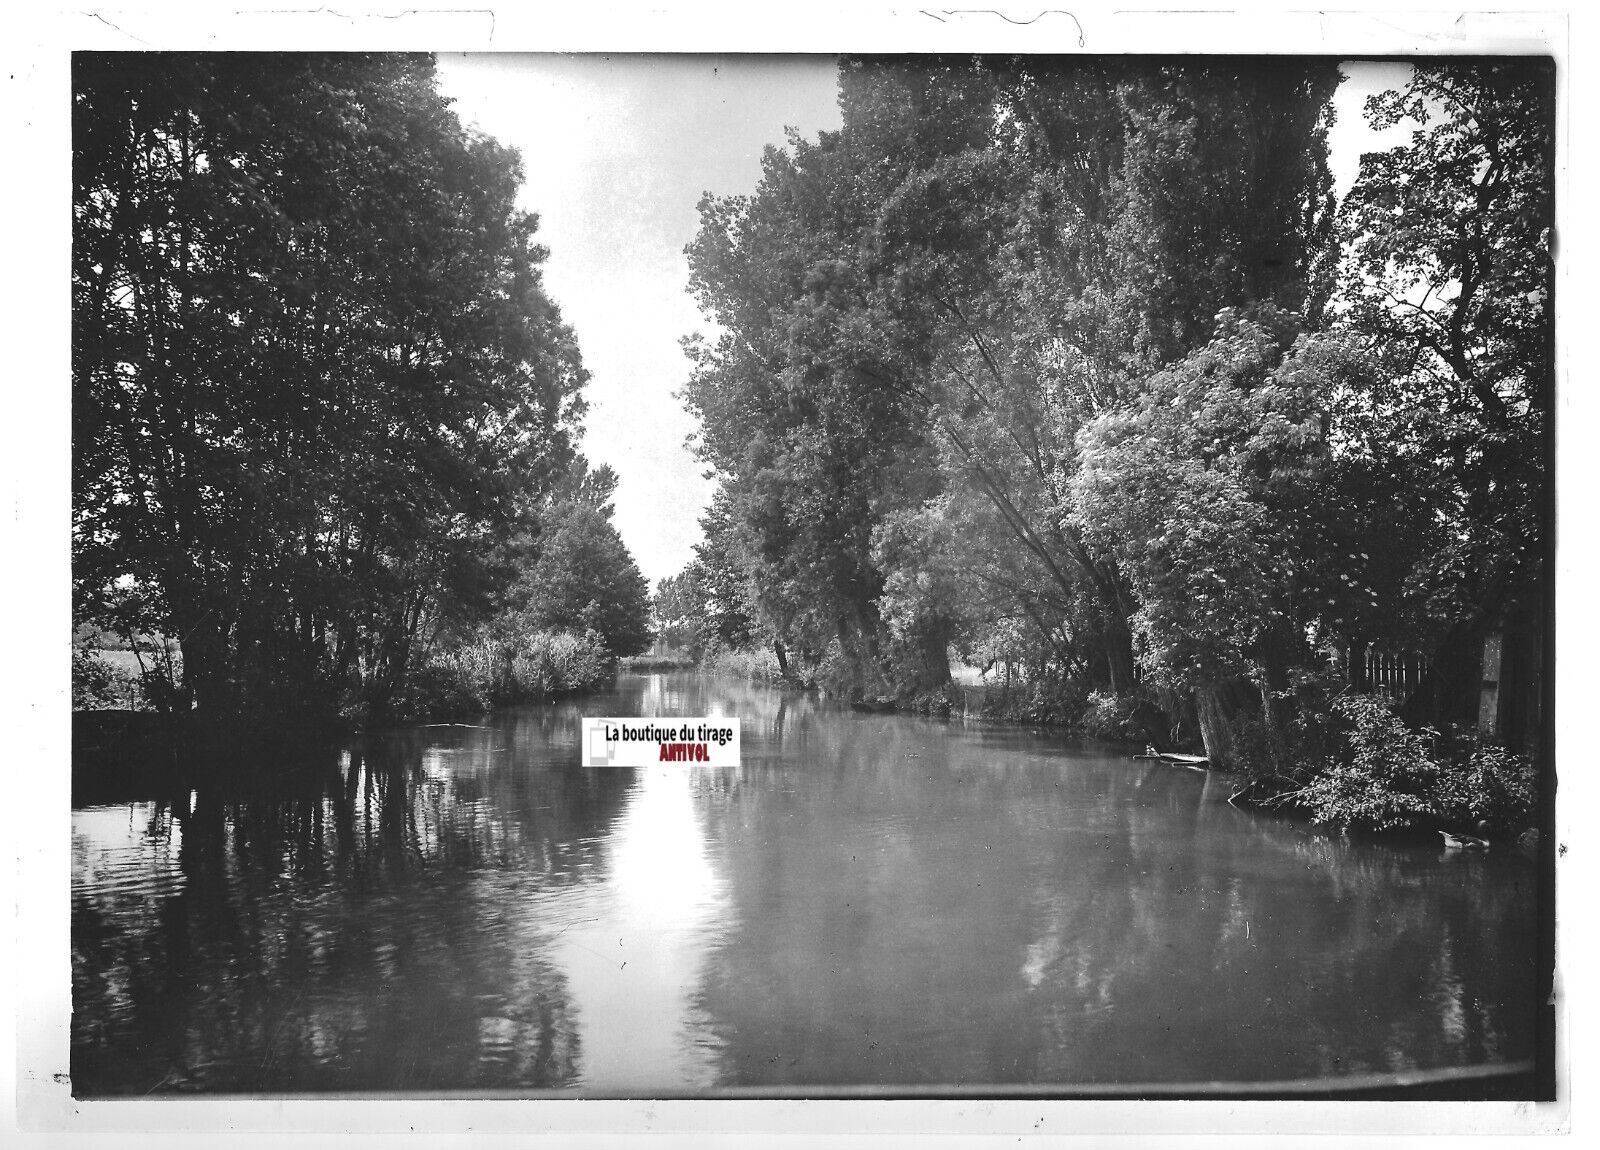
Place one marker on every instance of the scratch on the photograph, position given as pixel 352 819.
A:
pixel 489 12
pixel 590 949
pixel 943 12
pixel 167 1077
pixel 112 26
pixel 573 923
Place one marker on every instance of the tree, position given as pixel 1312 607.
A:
pixel 789 409
pixel 1217 490
pixel 315 374
pixel 678 610
pixel 1132 203
pixel 1449 275
pixel 985 256
pixel 1449 238
pixel 722 579
pixel 585 580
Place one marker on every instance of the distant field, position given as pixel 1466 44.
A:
pixel 124 667
pixel 106 641
pixel 122 662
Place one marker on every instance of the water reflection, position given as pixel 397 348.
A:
pixel 866 900
pixel 635 946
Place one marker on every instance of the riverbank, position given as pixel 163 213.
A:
pixel 1370 773
pixel 494 668
pixel 645 664
pixel 1374 775
pixel 968 697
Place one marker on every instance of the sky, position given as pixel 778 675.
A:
pixel 617 151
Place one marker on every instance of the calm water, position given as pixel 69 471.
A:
pixel 868 900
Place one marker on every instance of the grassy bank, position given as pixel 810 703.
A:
pixel 493 668
pixel 500 669
pixel 759 665
pixel 666 661
pixel 1354 764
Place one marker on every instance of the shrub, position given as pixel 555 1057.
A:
pixel 94 685
pixel 1386 777
pixel 549 663
pixel 942 701
pixel 116 677
pixel 1482 782
pixel 1253 751
pixel 1389 775
pixel 1110 716
pixel 842 676
pixel 501 666
pixel 760 664
pixel 441 690
pixel 1048 702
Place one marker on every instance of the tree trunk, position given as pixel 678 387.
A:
pixel 1212 703
pixel 1276 714
pixel 1155 725
pixel 1119 654
pixel 205 669
pixel 1356 671
pixel 929 651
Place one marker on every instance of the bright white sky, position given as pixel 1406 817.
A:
pixel 617 151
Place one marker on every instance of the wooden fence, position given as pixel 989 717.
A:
pixel 1395 674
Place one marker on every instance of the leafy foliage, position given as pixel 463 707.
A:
pixel 315 375
pixel 1209 489
pixel 94 684
pixel 1074 368
pixel 1449 274
pixel 1387 780
pixel 1393 775
pixel 498 666
pixel 585 580
pixel 920 311
pixel 1484 785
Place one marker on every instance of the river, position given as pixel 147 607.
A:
pixel 866 901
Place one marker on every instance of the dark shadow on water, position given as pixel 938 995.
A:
pixel 868 903
pixel 316 921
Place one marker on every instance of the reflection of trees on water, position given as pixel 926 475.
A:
pixel 866 899
pixel 914 908
pixel 373 925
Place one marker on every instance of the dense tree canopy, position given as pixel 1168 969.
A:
pixel 315 374
pixel 1450 277
pixel 923 308
pixel 577 575
pixel 1077 365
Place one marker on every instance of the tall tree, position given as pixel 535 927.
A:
pixel 315 373
pixel 984 257
pixel 1221 493
pixel 585 580
pixel 1449 274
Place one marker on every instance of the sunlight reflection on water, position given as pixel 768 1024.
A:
pixel 866 900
